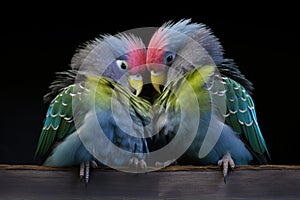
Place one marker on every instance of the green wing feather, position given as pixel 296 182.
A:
pixel 241 116
pixel 59 121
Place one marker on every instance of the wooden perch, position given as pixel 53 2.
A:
pixel 173 182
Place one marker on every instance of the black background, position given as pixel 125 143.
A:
pixel 38 42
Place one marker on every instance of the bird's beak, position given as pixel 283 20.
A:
pixel 136 82
pixel 158 78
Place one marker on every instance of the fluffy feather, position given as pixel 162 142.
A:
pixel 83 122
pixel 193 46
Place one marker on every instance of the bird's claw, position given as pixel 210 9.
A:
pixel 164 164
pixel 84 172
pixel 226 163
pixel 136 163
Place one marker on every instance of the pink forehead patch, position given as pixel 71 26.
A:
pixel 155 55
pixel 137 61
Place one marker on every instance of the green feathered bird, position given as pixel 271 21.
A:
pixel 225 101
pixel 94 115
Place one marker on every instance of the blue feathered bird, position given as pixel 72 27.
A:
pixel 94 115
pixel 176 52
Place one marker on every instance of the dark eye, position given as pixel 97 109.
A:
pixel 169 58
pixel 122 64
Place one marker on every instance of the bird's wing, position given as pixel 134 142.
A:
pixel 59 121
pixel 241 116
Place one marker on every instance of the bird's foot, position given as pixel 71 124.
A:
pixel 226 163
pixel 137 163
pixel 164 164
pixel 84 172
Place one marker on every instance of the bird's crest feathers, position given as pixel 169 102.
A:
pixel 175 32
pixel 119 44
pixel 124 43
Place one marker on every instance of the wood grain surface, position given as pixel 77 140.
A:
pixel 173 182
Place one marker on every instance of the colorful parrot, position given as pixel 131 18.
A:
pixel 175 52
pixel 95 116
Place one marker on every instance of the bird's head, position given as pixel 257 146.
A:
pixel 120 57
pixel 176 48
pixel 129 65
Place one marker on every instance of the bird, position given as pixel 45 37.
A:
pixel 175 51
pixel 95 116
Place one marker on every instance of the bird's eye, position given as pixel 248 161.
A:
pixel 169 58
pixel 122 64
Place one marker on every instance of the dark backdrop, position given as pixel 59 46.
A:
pixel 35 44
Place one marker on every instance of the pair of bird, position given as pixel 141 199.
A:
pixel 203 114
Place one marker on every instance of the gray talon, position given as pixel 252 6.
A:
pixel 164 164
pixel 135 162
pixel 143 164
pixel 226 163
pixel 84 171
